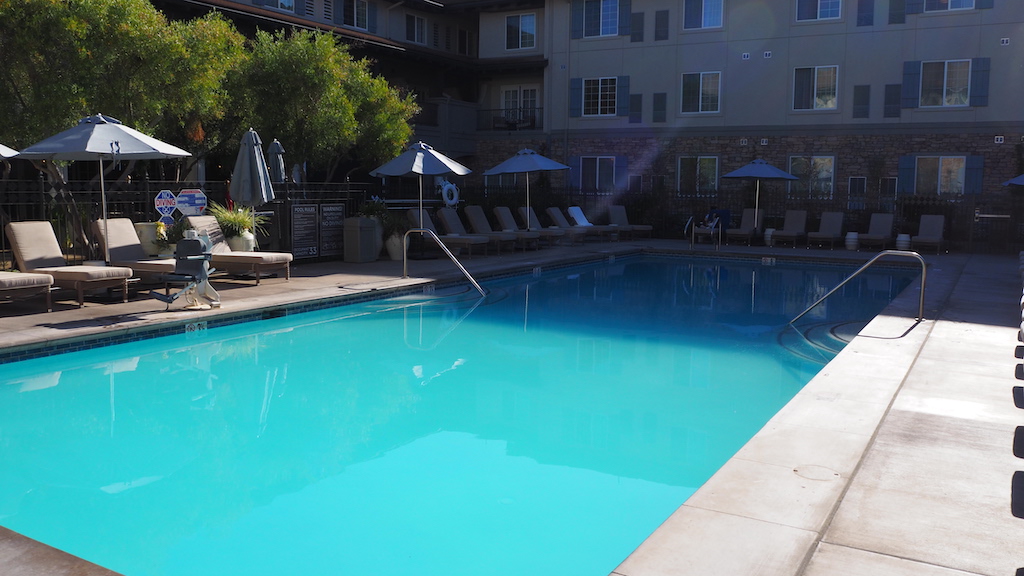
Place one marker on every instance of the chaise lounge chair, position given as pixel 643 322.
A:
pixel 617 216
pixel 508 222
pixel 572 232
pixel 479 224
pixel 879 231
pixel 794 227
pixel 576 231
pixel 830 230
pixel 601 230
pixel 36 251
pixel 227 260
pixel 15 285
pixel 126 249
pixel 751 224
pixel 453 224
pixel 930 232
pixel 451 242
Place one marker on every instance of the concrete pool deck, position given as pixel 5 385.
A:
pixel 895 460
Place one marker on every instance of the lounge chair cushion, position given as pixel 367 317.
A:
pixel 24 280
pixel 126 248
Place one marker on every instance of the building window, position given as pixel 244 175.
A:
pixel 702 14
pixel 599 96
pixel 520 31
pixel 281 4
pixel 597 173
pixel 600 18
pixel 816 177
pixel 698 175
pixel 815 88
pixel 940 175
pixel 519 105
pixel 858 193
pixel 356 14
pixel 701 92
pixel 942 5
pixel 946 83
pixel 818 9
pixel 415 29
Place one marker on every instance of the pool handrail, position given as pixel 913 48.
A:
pixel 422 231
pixel 876 257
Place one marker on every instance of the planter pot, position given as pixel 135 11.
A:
pixel 246 242
pixel 167 252
pixel 394 246
pixel 147 235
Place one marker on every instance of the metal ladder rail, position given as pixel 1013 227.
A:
pixel 903 253
pixel 405 257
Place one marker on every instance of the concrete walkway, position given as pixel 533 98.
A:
pixel 895 460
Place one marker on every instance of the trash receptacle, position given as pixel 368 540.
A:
pixel 362 239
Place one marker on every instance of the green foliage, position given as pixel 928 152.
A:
pixel 169 235
pixel 235 222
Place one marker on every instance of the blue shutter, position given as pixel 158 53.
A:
pixel 914 6
pixel 866 13
pixel 659 107
pixel 622 96
pixel 575 97
pixel 911 84
pixel 636 108
pixel 300 6
pixel 693 14
pixel 577 18
pixel 974 175
pixel 905 172
pixel 806 9
pixel 983 4
pixel 897 12
pixel 574 172
pixel 339 12
pixel 621 173
pixel 979 81
pixel 625 8
pixel 636 29
pixel 371 17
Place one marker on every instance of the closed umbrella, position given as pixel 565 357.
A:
pixel 276 152
pixel 759 170
pixel 526 161
pixel 101 138
pixel 250 180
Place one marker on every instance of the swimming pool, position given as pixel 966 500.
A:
pixel 548 428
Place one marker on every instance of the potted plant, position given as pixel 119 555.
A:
pixel 395 227
pixel 167 236
pixel 377 210
pixel 240 225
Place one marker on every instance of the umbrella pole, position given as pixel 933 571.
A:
pixel 528 219
pixel 103 201
pixel 757 201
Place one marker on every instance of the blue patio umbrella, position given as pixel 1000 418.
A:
pixel 6 152
pixel 759 170
pixel 526 161
pixel 420 160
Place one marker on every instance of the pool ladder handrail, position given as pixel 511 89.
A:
pixel 422 231
pixel 883 253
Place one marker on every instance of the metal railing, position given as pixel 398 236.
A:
pixel 903 253
pixel 422 231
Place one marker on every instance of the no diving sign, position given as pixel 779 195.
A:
pixel 191 202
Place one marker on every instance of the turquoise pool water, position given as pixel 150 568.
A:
pixel 546 429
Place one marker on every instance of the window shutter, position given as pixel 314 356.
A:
pixel 371 17
pixel 893 95
pixel 691 93
pixel 636 108
pixel 574 172
pixel 803 89
pixel 621 172
pixel 905 171
pixel 862 101
pixel 350 12
pixel 897 12
pixel 637 27
pixel 974 174
pixel 693 14
pixel 622 96
pixel 300 6
pixel 866 13
pixel 625 9
pixel 914 6
pixel 911 84
pixel 339 11
pixel 577 18
pixel 806 9
pixel 661 25
pixel 575 97
pixel 979 81
pixel 983 4
pixel 659 107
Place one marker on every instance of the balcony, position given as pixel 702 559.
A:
pixel 510 119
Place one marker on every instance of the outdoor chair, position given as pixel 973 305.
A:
pixel 508 222
pixel 600 230
pixel 558 219
pixel 747 228
pixel 452 242
pixel 14 285
pixel 453 224
pixel 236 262
pixel 617 217
pixel 572 232
pixel 930 232
pixel 794 227
pixel 830 230
pixel 36 251
pixel 479 224
pixel 125 247
pixel 879 231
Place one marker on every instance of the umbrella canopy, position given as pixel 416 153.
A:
pixel 100 138
pixel 759 170
pixel 420 160
pixel 276 152
pixel 250 180
pixel 6 152
pixel 1017 181
pixel 526 161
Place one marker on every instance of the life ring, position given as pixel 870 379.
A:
pixel 450 192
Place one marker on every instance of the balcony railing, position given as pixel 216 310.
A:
pixel 509 119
